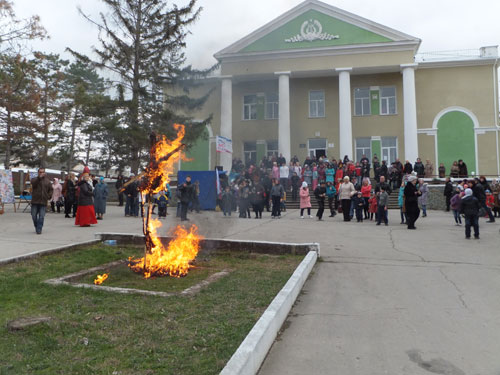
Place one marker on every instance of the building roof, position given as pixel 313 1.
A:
pixel 316 25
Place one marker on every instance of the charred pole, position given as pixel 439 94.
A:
pixel 150 181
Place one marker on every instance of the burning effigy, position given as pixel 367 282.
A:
pixel 176 258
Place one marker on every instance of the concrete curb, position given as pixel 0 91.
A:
pixel 253 350
pixel 221 244
pixel 50 251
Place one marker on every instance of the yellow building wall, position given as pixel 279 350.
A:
pixel 427 150
pixel 471 87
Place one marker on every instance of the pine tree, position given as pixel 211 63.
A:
pixel 19 97
pixel 141 42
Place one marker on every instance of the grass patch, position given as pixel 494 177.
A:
pixel 96 332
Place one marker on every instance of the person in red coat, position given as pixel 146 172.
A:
pixel 85 214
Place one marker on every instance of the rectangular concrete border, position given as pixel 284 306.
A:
pixel 253 350
pixel 54 250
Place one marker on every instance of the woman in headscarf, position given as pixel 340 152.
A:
pixel 100 196
pixel 305 200
pixel 85 214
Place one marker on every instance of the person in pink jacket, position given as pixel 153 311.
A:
pixel 276 171
pixel 305 200
pixel 57 197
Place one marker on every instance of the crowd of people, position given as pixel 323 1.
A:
pixel 347 187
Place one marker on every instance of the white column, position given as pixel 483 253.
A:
pixel 226 119
pixel 345 115
pixel 410 112
pixel 284 143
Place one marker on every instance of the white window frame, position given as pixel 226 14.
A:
pixel 274 106
pixel 249 108
pixel 362 101
pixel 389 148
pixel 386 99
pixel 317 104
pixel 250 152
pixel 312 151
pixel 365 152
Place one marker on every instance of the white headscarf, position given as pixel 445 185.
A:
pixel 468 193
pixel 304 184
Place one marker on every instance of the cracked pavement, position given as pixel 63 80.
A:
pixel 382 300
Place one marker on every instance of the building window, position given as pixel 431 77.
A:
pixel 387 100
pixel 250 107
pixel 272 148
pixel 316 104
pixel 389 149
pixel 363 147
pixel 250 152
pixel 317 147
pixel 362 102
pixel 272 106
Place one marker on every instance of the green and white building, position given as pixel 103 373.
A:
pixel 318 80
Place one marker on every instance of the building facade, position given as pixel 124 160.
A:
pixel 321 81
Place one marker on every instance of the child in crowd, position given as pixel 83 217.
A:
pixel 372 210
pixel 227 201
pixel 162 202
pixel 401 202
pixel 490 200
pixel 383 198
pixel 359 203
pixel 455 205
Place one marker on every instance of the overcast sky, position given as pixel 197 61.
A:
pixel 441 24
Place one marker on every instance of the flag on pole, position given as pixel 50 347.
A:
pixel 224 145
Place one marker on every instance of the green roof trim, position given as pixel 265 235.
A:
pixel 331 27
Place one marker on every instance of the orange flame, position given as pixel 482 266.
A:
pixel 175 260
pixel 100 279
pixel 158 177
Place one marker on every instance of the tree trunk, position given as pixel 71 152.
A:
pixel 72 142
pixel 87 157
pixel 8 139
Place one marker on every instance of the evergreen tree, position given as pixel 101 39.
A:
pixel 142 42
pixel 19 97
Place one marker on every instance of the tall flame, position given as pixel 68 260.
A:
pixel 175 260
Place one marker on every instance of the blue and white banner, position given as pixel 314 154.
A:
pixel 224 145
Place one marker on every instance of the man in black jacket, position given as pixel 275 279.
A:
pixel 320 194
pixel 419 168
pixel 470 208
pixel 448 192
pixel 385 185
pixel 186 196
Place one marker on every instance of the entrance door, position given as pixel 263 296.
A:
pixel 317 147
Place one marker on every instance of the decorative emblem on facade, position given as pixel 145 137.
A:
pixel 310 31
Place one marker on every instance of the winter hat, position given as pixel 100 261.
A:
pixel 101 178
pixel 460 187
pixel 86 169
pixel 346 178
pixel 304 184
pixel 468 192
pixel 412 178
